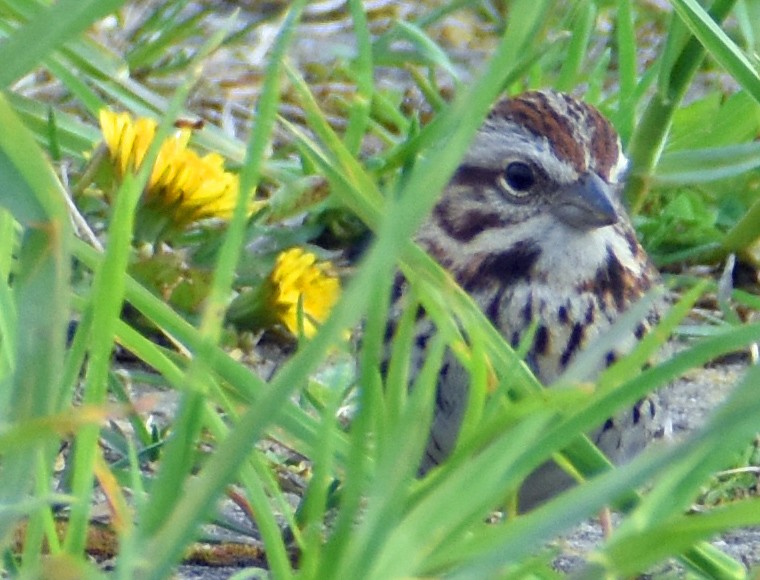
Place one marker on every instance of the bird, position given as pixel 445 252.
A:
pixel 533 227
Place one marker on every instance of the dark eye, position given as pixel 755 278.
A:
pixel 519 177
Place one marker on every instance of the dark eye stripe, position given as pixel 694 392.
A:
pixel 472 175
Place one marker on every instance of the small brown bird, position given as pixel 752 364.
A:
pixel 533 228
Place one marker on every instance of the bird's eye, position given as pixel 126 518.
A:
pixel 519 178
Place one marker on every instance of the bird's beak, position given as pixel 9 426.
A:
pixel 586 204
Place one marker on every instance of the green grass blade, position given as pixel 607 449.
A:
pixel 583 22
pixel 706 165
pixel 46 31
pixel 33 195
pixel 359 112
pixel 626 44
pixel 678 64
pixel 719 45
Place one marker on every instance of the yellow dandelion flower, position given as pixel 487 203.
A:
pixel 299 278
pixel 127 142
pixel 183 187
pixel 298 283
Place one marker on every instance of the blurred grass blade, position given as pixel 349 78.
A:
pixel 177 462
pixel 745 232
pixel 482 555
pixel 359 113
pixel 705 165
pixel 551 520
pixel 416 539
pixel 33 194
pixel 47 30
pixel 678 64
pixel 395 468
pixel 183 444
pixel 644 550
pixel 719 45
pixel 627 65
pixel 583 25
pixel 74 136
pixel 8 319
pixel 426 52
pixel 732 425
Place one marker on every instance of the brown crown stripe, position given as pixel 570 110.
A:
pixel 535 113
pixel 538 113
pixel 604 144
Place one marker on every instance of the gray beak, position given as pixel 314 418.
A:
pixel 586 204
